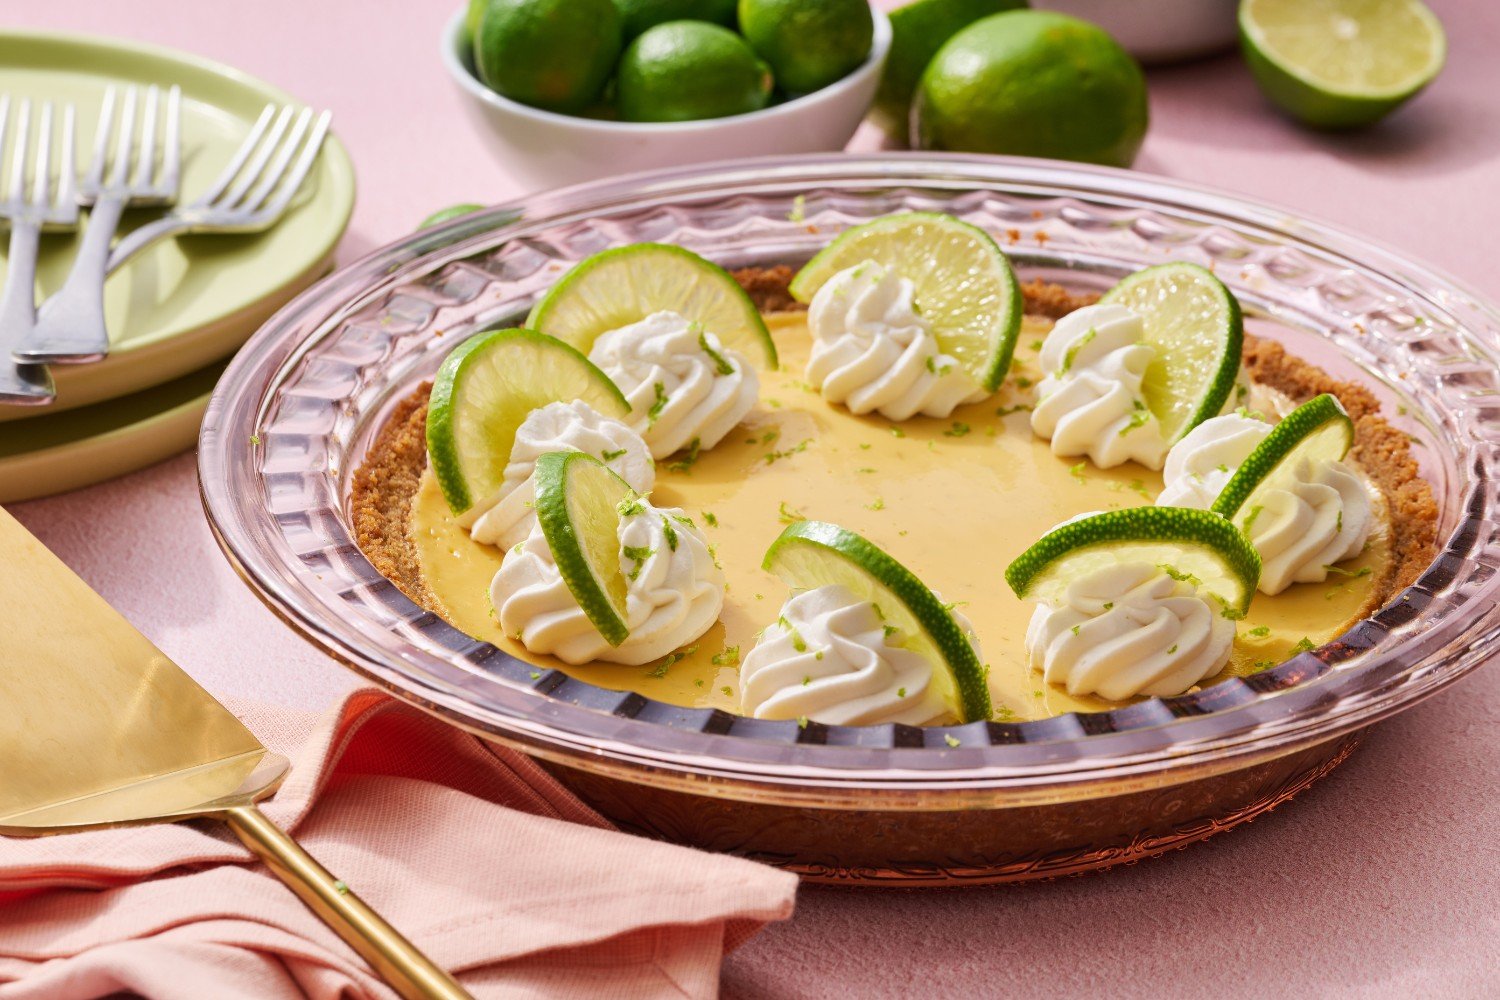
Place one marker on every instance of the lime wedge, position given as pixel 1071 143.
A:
pixel 812 554
pixel 615 288
pixel 963 284
pixel 1318 430
pixel 484 391
pixel 578 504
pixel 1190 544
pixel 1341 63
pixel 1194 323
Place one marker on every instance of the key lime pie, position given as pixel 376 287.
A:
pixel 896 486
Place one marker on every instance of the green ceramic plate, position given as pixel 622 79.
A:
pixel 67 451
pixel 190 301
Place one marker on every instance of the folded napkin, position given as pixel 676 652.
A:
pixel 472 851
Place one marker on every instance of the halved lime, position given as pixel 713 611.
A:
pixel 578 503
pixel 963 284
pixel 1341 63
pixel 615 288
pixel 1319 430
pixel 1194 323
pixel 1190 544
pixel 812 554
pixel 483 392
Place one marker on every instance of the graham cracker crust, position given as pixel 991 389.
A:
pixel 386 483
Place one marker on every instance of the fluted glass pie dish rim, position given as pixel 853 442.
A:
pixel 298 405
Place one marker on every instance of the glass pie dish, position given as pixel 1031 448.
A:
pixel 299 407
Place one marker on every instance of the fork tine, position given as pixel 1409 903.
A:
pixel 172 154
pixel 4 127
pixel 248 176
pixel 124 140
pixel 95 175
pixel 43 176
pixel 145 161
pixel 240 156
pixel 67 172
pixel 18 153
pixel 303 165
pixel 278 167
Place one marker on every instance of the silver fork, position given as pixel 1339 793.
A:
pixel 31 384
pixel 253 191
pixel 70 327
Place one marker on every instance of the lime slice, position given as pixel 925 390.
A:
pixel 963 284
pixel 578 503
pixel 618 287
pixel 812 554
pixel 1190 544
pixel 1341 63
pixel 484 391
pixel 1319 430
pixel 1194 323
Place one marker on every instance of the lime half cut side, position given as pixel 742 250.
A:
pixel 1341 63
pixel 811 554
pixel 1194 323
pixel 963 283
pixel 1318 430
pixel 485 390
pixel 617 287
pixel 1190 544
pixel 578 502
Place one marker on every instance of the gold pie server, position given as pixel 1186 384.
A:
pixel 99 729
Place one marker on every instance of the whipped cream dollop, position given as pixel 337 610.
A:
pixel 674 592
pixel 682 383
pixel 873 352
pixel 1089 401
pixel 506 518
pixel 1207 457
pixel 1129 629
pixel 1319 515
pixel 831 658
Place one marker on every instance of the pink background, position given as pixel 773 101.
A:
pixel 1384 880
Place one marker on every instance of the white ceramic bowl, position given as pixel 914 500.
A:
pixel 543 149
pixel 1159 31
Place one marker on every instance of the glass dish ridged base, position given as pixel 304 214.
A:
pixel 298 408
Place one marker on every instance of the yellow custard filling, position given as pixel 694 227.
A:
pixel 954 500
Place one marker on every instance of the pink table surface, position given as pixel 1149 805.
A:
pixel 1385 880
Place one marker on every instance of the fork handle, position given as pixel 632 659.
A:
pixel 139 239
pixel 28 385
pixel 70 326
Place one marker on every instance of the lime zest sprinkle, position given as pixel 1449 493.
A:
pixel 799 209
pixel 878 504
pixel 728 691
pixel 721 363
pixel 687 461
pixel 1075 629
pixel 790 516
pixel 1109 605
pixel 901 692
pixel 1263 665
pixel 806 680
pixel 610 456
pixel 1138 419
pixel 660 670
pixel 726 657
pixel 1172 650
pixel 710 518
pixel 630 506
pixel 1072 353
pixel 952 740
pixel 1036 345
pixel 801 722
pixel 536 675
pixel 1254 513
pixel 1006 411
pixel 772 457
pixel 341 887
pixel 660 404
pixel 889 630
pixel 670 533
pixel 1351 574
pixel 798 643
pixel 1077 472
pixel 639 553
pixel 897 432
pixel 1259 632
pixel 1304 645
pixel 254 439
pixel 933 367
pixel 958 430
pixel 864 446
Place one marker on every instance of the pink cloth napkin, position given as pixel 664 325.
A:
pixel 476 854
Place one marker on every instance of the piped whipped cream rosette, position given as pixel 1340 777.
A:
pixel 685 388
pixel 1140 601
pixel 861 641
pixel 508 518
pixel 1200 465
pixel 604 574
pixel 1293 496
pixel 1126 378
pixel 873 352
pixel 1090 401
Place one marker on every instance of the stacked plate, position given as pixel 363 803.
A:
pixel 179 310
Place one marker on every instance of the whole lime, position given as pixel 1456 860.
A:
pixel 686 70
pixel 638 15
pixel 472 14
pixel 918 30
pixel 552 54
pixel 808 43
pixel 1033 83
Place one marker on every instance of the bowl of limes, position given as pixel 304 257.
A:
pixel 575 90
